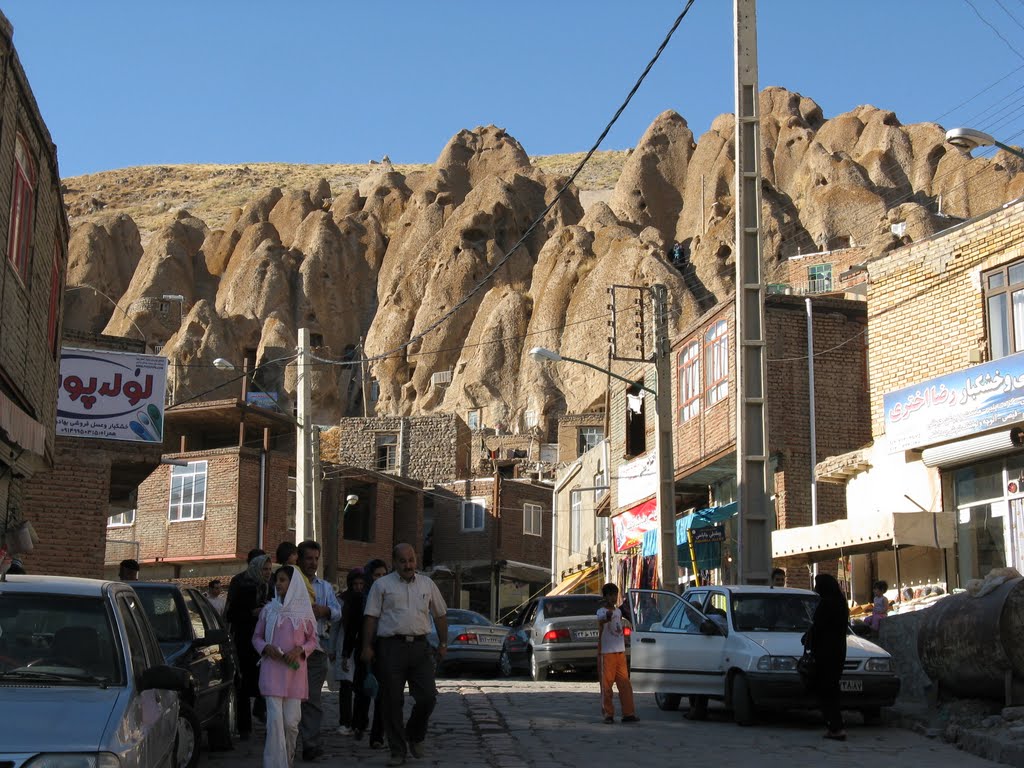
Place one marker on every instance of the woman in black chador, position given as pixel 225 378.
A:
pixel 826 639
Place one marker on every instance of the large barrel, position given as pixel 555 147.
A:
pixel 966 644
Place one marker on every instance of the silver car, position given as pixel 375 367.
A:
pixel 553 634
pixel 83 682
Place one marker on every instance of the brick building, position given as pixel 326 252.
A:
pixel 34 238
pixel 946 364
pixel 490 542
pixel 704 419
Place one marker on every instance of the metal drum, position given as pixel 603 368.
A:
pixel 967 644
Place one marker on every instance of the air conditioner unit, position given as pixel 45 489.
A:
pixel 441 378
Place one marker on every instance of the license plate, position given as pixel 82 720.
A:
pixel 491 639
pixel 585 634
pixel 852 686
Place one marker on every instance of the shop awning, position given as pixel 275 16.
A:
pixel 863 535
pixel 709 555
pixel 567 585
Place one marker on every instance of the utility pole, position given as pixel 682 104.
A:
pixel 303 443
pixel 754 559
pixel 666 496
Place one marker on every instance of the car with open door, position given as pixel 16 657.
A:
pixel 740 645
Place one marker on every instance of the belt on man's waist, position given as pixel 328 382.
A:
pixel 406 638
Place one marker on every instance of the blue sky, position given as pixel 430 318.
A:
pixel 140 82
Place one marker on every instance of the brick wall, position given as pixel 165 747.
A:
pixel 841 260
pixel 569 433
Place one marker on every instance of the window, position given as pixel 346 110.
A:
pixel 121 519
pixel 473 418
pixel 473 512
pixel 387 452
pixel 188 492
pixel 819 278
pixel 19 236
pixel 636 421
pixel 600 483
pixel 589 437
pixel 716 353
pixel 689 382
pixel 532 519
pixel 358 522
pixel 575 522
pixel 56 275
pixel 1004 305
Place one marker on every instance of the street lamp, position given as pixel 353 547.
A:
pixel 666 464
pixel 968 139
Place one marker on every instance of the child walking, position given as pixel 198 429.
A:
pixel 612 651
pixel 285 635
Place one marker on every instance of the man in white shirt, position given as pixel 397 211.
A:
pixel 215 594
pixel 395 629
pixel 612 649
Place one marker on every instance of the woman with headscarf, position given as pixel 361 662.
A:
pixel 284 636
pixel 247 594
pixel 826 640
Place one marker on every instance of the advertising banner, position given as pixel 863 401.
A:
pixel 976 399
pixel 630 526
pixel 638 479
pixel 111 395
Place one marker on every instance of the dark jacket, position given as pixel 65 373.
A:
pixel 826 638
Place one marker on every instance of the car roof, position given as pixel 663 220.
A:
pixel 56 585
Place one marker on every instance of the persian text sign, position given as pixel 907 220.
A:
pixel 638 479
pixel 629 527
pixel 976 399
pixel 111 395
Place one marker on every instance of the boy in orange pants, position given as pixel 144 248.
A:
pixel 611 648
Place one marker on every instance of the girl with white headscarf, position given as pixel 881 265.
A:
pixel 285 635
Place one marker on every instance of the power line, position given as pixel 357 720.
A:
pixel 994 29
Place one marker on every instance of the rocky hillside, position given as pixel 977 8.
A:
pixel 380 252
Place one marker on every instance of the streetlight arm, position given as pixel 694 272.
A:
pixel 610 373
pixel 1011 150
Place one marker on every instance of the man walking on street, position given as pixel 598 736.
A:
pixel 395 629
pixel 326 610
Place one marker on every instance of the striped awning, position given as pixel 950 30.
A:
pixel 20 428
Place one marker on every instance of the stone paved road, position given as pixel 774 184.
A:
pixel 518 723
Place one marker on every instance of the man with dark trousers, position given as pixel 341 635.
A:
pixel 395 629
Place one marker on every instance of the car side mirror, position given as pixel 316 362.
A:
pixel 708 627
pixel 213 637
pixel 165 678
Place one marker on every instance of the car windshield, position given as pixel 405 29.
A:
pixel 162 610
pixel 583 605
pixel 58 639
pixel 779 612
pixel 467 618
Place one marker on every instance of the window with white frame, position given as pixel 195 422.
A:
pixel 473 418
pixel 532 519
pixel 1004 306
pixel 819 278
pixel 473 513
pixel 589 437
pixel 575 522
pixel 716 356
pixel 188 492
pixel 600 483
pixel 122 519
pixel 688 370
pixel 387 452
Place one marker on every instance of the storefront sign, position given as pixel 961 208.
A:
pixel 629 527
pixel 707 535
pixel 111 395
pixel 976 399
pixel 638 479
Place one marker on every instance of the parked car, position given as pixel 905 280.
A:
pixel 82 679
pixel 193 637
pixel 553 634
pixel 474 642
pixel 740 645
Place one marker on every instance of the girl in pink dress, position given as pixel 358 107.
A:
pixel 285 635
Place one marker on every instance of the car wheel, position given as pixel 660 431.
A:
pixel 189 732
pixel 667 702
pixel 220 732
pixel 871 715
pixel 537 672
pixel 505 664
pixel 742 704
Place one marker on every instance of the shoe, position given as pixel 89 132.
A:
pixel 416 748
pixel 357 734
pixel 609 720
pixel 376 745
pixel 344 730
pixel 836 735
pixel 631 719
pixel 396 760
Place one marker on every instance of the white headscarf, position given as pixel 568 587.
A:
pixel 295 607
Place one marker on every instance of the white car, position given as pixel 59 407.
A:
pixel 740 645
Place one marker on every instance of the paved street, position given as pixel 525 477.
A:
pixel 517 723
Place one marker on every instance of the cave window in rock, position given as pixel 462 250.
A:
pixel 819 278
pixel 688 375
pixel 473 418
pixel 316 339
pixel 1004 307
pixel 19 234
pixel 636 421
pixel 387 452
pixel 716 356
